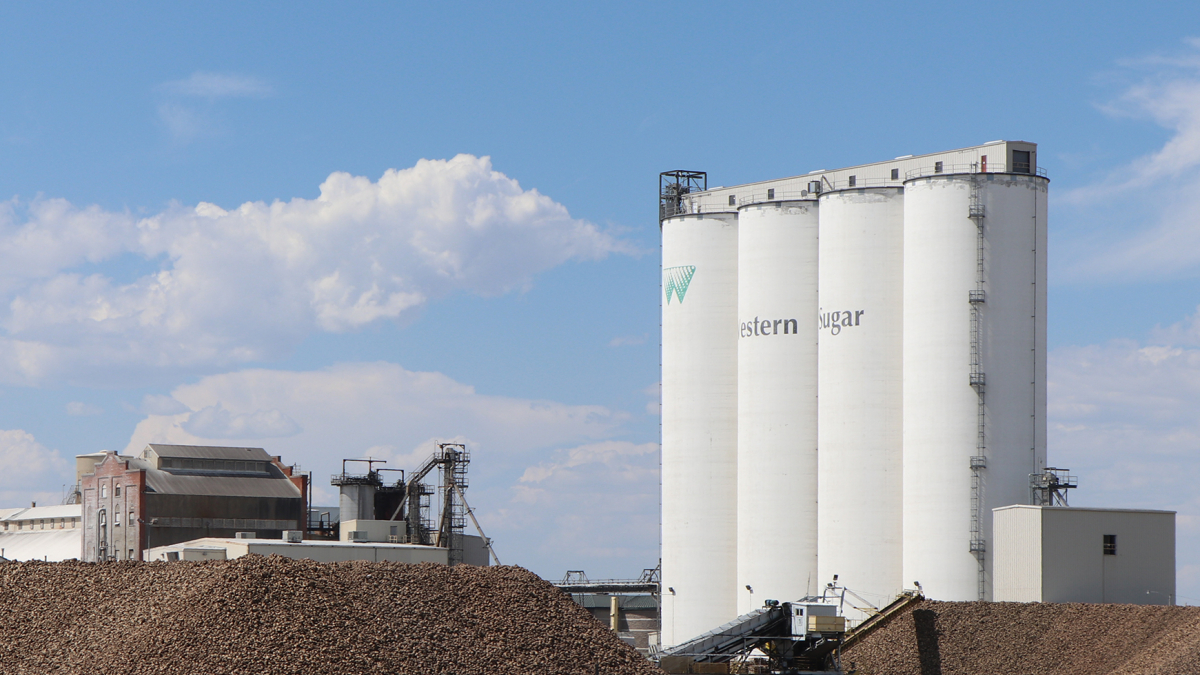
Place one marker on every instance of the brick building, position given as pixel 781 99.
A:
pixel 173 493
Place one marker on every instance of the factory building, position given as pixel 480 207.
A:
pixel 49 533
pixel 174 493
pixel 853 377
pixel 221 548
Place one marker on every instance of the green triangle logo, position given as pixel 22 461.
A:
pixel 676 280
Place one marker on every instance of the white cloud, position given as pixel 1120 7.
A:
pixel 78 409
pixel 217 422
pixel 1142 219
pixel 349 408
pixel 218 85
pixel 29 471
pixel 654 391
pixel 595 502
pixel 1123 418
pixel 183 123
pixel 355 410
pixel 249 283
pixel 157 404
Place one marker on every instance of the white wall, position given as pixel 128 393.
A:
pixel 318 551
pixel 699 424
pixel 777 402
pixel 860 392
pixel 1073 566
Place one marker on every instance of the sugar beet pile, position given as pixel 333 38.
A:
pixel 258 616
pixel 975 638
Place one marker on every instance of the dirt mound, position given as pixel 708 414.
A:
pixel 985 638
pixel 258 616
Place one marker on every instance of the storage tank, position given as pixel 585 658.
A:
pixel 777 402
pixel 861 385
pixel 699 423
pixel 974 368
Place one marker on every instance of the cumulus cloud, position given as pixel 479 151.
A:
pixel 29 471
pixel 157 404
pixel 541 471
pixel 217 422
pixel 78 409
pixel 654 405
pixel 1142 216
pixel 249 283
pixel 1123 418
pixel 600 501
pixel 349 408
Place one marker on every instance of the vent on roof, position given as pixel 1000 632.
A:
pixel 245 535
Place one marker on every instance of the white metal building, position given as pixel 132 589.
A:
pixel 873 442
pixel 1068 554
pixel 217 548
pixel 50 533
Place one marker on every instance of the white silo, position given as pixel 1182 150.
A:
pixel 699 423
pixel 974 368
pixel 861 388
pixel 777 402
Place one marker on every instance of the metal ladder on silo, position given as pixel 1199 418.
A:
pixel 977 299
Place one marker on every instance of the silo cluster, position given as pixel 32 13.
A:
pixel 854 375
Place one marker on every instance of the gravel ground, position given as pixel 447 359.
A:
pixel 989 638
pixel 260 616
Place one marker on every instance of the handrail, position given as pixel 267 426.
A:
pixel 974 167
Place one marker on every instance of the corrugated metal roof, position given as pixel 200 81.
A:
pixel 57 511
pixel 49 545
pixel 208 452
pixel 222 486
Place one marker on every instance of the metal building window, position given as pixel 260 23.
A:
pixel 732 200
pixel 770 193
pixel 853 181
pixel 937 167
pixel 1110 544
pixel 1020 161
pixel 895 174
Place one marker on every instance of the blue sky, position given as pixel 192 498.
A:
pixel 509 296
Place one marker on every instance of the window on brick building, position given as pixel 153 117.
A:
pixel 132 518
pixel 131 554
pixel 117 491
pixel 103 492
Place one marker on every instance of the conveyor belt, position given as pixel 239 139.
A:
pixel 725 641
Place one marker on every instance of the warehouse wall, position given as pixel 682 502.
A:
pixel 1074 566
